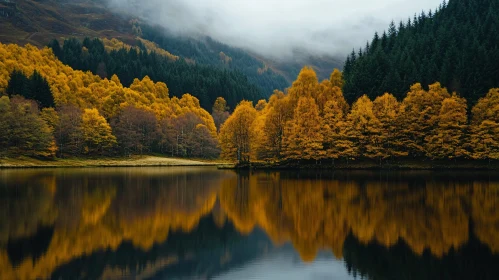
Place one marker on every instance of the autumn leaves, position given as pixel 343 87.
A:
pixel 312 121
pixel 95 116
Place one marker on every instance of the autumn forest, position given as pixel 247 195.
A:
pixel 310 121
pixel 191 156
pixel 314 122
pixel 106 97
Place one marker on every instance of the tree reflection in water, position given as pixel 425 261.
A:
pixel 152 220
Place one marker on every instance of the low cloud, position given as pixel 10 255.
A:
pixel 278 28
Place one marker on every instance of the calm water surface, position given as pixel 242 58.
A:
pixel 204 223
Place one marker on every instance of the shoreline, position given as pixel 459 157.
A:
pixel 402 165
pixel 157 161
pixel 134 161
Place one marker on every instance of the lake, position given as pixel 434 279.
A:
pixel 204 223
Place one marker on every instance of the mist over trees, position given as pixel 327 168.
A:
pixel 226 57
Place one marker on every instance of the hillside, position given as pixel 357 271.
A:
pixel 205 82
pixel 457 45
pixel 38 22
pixel 93 116
pixel 268 73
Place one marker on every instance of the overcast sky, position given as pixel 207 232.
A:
pixel 277 27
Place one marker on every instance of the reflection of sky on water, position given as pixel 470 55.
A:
pixel 285 264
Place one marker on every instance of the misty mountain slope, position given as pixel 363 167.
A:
pixel 458 45
pixel 206 51
pixel 265 72
pixel 38 22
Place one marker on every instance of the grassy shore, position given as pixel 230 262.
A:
pixel 134 161
pixel 152 160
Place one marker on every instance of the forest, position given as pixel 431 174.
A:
pixel 313 122
pixel 457 44
pixel 206 83
pixel 409 95
pixel 48 109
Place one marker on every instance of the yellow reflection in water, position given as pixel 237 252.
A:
pixel 94 210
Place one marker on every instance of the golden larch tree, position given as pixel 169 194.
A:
pixel 279 111
pixel 418 116
pixel 366 129
pixel 306 85
pixel 235 133
pixel 484 136
pixel 386 109
pixel 337 144
pixel 259 148
pixel 303 135
pixel 447 139
pixel 328 92
pixel 97 133
pixel 337 78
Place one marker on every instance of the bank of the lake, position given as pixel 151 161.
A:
pixel 134 161
pixel 400 164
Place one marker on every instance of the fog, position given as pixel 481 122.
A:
pixel 278 28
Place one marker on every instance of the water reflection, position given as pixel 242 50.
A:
pixel 195 223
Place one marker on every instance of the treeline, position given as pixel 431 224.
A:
pixel 313 122
pixel 49 109
pixel 205 82
pixel 210 52
pixel 456 44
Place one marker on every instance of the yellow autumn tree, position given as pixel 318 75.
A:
pixel 366 129
pixel 97 133
pixel 305 85
pixel 386 109
pixel 279 111
pixel 418 116
pixel 329 92
pixel 259 149
pixel 484 138
pixel 337 144
pixel 303 136
pixel 84 90
pixel 235 133
pixel 447 139
pixel 337 78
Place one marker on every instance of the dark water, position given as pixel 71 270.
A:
pixel 203 223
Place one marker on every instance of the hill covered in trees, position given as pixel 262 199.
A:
pixel 457 45
pixel 207 51
pixel 204 82
pixel 48 109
